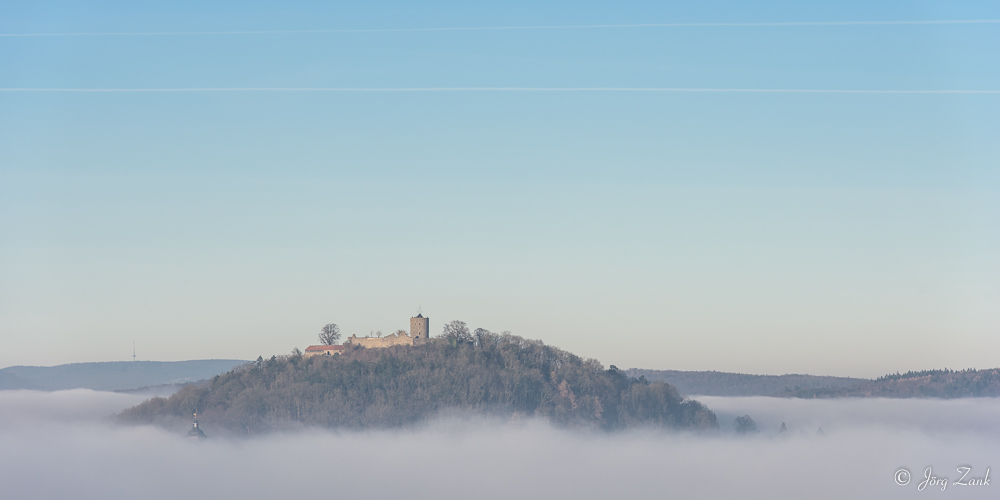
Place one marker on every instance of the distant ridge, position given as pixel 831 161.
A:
pixel 712 383
pixel 112 375
pixel 944 384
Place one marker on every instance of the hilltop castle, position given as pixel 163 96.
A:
pixel 419 333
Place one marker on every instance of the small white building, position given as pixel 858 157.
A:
pixel 323 350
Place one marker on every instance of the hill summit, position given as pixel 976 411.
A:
pixel 489 374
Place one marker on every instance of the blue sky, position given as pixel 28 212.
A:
pixel 845 234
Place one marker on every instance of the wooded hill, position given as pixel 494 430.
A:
pixel 916 384
pixel 711 383
pixel 496 375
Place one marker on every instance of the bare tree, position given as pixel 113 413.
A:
pixel 330 334
pixel 457 330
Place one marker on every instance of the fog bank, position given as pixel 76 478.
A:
pixel 932 416
pixel 56 445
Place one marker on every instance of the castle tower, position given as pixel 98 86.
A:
pixel 420 326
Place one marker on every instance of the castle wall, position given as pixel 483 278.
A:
pixel 378 342
pixel 419 335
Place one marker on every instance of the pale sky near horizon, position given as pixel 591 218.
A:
pixel 833 234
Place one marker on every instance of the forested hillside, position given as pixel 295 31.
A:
pixel 484 374
pixel 917 384
pixel 711 383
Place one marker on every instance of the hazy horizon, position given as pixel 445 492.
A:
pixel 605 364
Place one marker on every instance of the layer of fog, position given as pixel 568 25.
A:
pixel 931 416
pixel 34 408
pixel 59 445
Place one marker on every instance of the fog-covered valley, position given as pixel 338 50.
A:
pixel 62 445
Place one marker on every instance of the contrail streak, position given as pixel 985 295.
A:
pixel 502 28
pixel 501 89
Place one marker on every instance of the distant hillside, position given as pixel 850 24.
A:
pixel 738 384
pixel 111 376
pixel 497 375
pixel 923 384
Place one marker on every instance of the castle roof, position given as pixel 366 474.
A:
pixel 319 348
pixel 419 315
